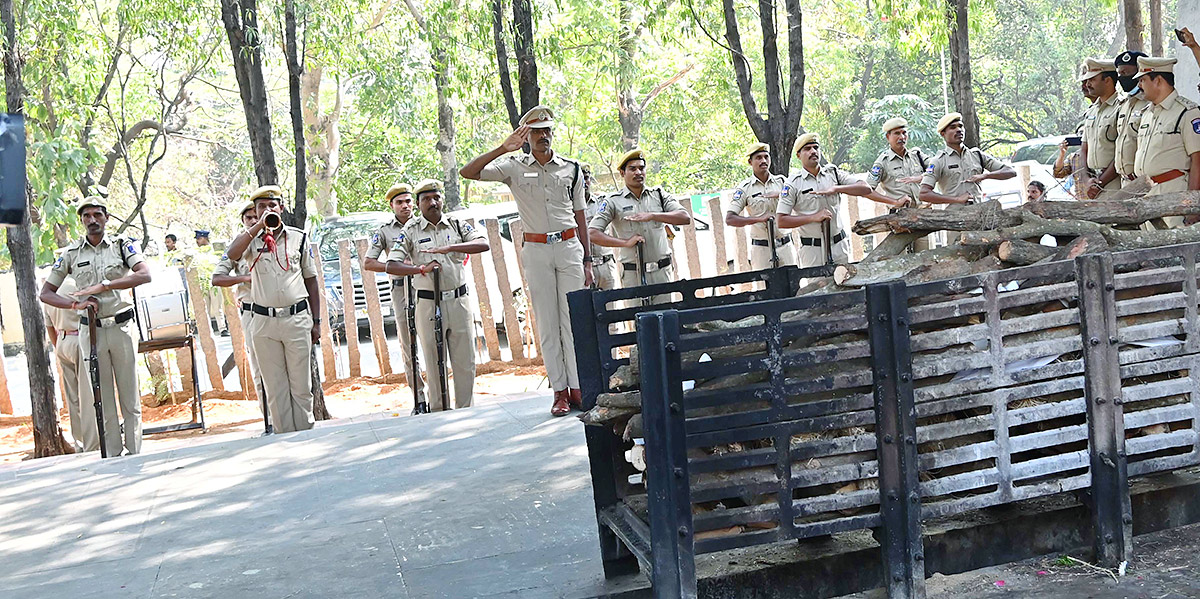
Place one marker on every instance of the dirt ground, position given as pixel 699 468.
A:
pixel 226 412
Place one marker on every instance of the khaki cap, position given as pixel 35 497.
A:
pixel 396 190
pixel 804 140
pixel 538 117
pixel 756 148
pixel 1149 64
pixel 895 122
pixel 948 120
pixel 1101 65
pixel 247 207
pixel 267 191
pixel 634 154
pixel 89 202
pixel 427 185
pixel 1088 69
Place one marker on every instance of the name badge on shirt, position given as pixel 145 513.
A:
pixel 626 208
pixel 952 166
pixel 83 264
pixel 426 240
pixel 530 175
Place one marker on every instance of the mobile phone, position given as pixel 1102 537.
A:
pixel 1179 35
pixel 1074 140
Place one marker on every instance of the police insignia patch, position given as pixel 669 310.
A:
pixel 375 239
pixel 603 206
pixel 58 262
pixel 132 249
pixel 875 170
pixel 929 169
pixel 467 227
pixel 737 195
pixel 1196 125
pixel 786 189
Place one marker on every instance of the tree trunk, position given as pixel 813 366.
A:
pixel 629 112
pixel 446 134
pixel 1133 25
pixel 1156 28
pixel 510 102
pixel 47 436
pixel 960 68
pixel 323 136
pixel 245 43
pixel 299 212
pixel 527 77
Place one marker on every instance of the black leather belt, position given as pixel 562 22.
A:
pixel 455 294
pixel 602 259
pixel 247 307
pixel 111 321
pixel 816 241
pixel 767 242
pixel 297 308
pixel 661 264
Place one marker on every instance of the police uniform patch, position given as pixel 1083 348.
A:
pixel 929 169
pixel 1196 125
pixel 375 239
pixel 467 227
pixel 603 206
pixel 875 170
pixel 786 189
pixel 58 262
pixel 131 249
pixel 737 195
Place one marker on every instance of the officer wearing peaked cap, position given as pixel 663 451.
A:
pixel 103 267
pixel 759 196
pixel 1100 128
pixel 548 189
pixel 957 170
pixel 286 293
pixel 436 241
pixel 1168 150
pixel 898 169
pixel 229 273
pixel 400 200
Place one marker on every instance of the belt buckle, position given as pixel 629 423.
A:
pixel 554 237
pixel 652 266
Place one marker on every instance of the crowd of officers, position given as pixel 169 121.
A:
pixel 1143 133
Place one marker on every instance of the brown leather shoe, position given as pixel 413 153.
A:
pixel 576 399
pixel 562 405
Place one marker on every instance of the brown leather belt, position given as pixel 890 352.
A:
pixel 550 237
pixel 62 334
pixel 1170 175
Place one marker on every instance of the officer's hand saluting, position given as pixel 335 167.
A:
pixel 516 139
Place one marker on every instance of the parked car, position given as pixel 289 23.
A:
pixel 1039 154
pixel 326 236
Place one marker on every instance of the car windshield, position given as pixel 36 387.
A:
pixel 339 231
pixel 1043 153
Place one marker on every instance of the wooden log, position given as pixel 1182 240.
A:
pixel 628 399
pixel 1034 227
pixel 512 326
pixel 204 330
pixel 856 241
pixel 237 338
pixel 1021 252
pixel 1127 212
pixel 861 274
pixel 328 346
pixel 718 226
pixel 892 245
pixel 6 406
pixel 603 415
pixel 690 244
pixel 1023 176
pixel 374 310
pixel 349 320
pixel 183 359
pixel 484 296
pixel 517 229
pixel 742 248
pixel 975 217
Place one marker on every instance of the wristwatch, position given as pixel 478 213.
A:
pixel 106 285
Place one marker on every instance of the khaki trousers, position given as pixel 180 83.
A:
pixel 553 271
pixel 760 256
pixel 1172 186
pixel 66 351
pixel 400 308
pixel 605 275
pixel 630 278
pixel 458 331
pixel 214 302
pixel 118 382
pixel 247 317
pixel 283 348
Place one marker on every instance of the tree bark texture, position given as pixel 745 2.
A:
pixel 322 136
pixel 245 43
pixel 506 88
pixel 1133 25
pixel 960 68
pixel 527 76
pixel 1156 28
pixel 47 436
pixel 299 212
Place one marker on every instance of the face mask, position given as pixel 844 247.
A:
pixel 1128 84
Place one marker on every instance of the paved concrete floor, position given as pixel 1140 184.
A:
pixel 494 501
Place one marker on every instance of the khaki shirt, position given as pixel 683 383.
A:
pixel 547 196
pixel 420 234
pixel 1100 132
pixel 890 167
pixel 616 206
pixel 798 199
pixel 1129 118
pixel 590 212
pixel 1168 135
pixel 89 265
pixel 381 242
pixel 277 278
pixel 762 199
pixel 241 291
pixel 62 319
pixel 949 170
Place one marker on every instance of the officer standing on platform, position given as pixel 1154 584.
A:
pixel 957 169
pixel 436 241
pixel 286 294
pixel 1129 115
pixel 229 273
pixel 1168 150
pixel 759 195
pixel 813 196
pixel 637 214
pixel 548 189
pixel 400 199
pixel 102 266
pixel 604 263
pixel 62 326
pixel 897 171
pixel 1100 128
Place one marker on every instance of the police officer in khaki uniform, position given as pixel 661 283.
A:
pixel 230 273
pixel 1168 150
pixel 637 214
pixel 62 326
pixel 102 266
pixel 759 196
pixel 604 262
pixel 897 170
pixel 1129 116
pixel 286 301
pixel 436 241
pixel 957 169
pixel 548 189
pixel 1100 128
pixel 400 199
pixel 813 197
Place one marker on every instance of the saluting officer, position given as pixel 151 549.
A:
pixel 897 170
pixel 957 169
pixel 102 266
pixel 637 214
pixel 1100 128
pixel 400 199
pixel 62 326
pixel 604 263
pixel 229 273
pixel 548 189
pixel 1129 115
pixel 759 196
pixel 286 294
pixel 435 240
pixel 813 196
pixel 1168 150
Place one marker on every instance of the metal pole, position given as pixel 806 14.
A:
pixel 94 372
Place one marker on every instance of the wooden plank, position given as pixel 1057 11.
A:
pixel 517 229
pixel 204 330
pixel 1023 176
pixel 6 406
pixel 237 338
pixel 349 320
pixel 690 244
pixel 856 241
pixel 512 326
pixel 374 309
pixel 490 337
pixel 718 227
pixel 742 249
pixel 328 349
